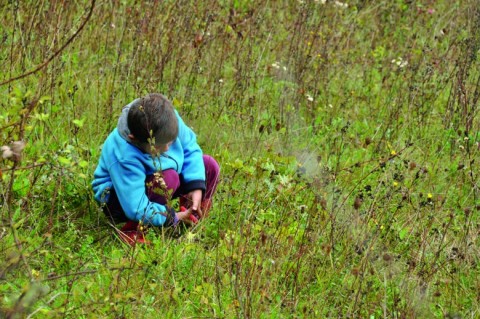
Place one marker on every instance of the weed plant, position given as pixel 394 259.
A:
pixel 348 138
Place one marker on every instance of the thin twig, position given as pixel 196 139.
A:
pixel 56 53
pixel 83 272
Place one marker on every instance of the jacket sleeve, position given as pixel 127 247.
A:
pixel 128 179
pixel 193 170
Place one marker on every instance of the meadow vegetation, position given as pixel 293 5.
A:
pixel 348 139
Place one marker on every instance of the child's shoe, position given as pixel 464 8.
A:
pixel 131 234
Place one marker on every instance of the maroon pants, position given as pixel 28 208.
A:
pixel 174 189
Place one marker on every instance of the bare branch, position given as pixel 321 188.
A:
pixel 56 53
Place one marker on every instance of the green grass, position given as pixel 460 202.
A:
pixel 348 139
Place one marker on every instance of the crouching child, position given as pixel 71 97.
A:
pixel 150 158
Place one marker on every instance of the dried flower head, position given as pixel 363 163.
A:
pixel 14 151
pixel 17 147
pixel 6 152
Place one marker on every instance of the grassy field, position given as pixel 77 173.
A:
pixel 347 134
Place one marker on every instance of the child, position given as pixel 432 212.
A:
pixel 150 158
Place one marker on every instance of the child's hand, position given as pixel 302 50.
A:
pixel 196 198
pixel 185 216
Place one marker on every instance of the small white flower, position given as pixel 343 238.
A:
pixel 309 97
pixel 220 81
pixel 341 4
pixel 276 65
pixel 400 62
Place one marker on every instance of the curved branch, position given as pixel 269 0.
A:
pixel 56 53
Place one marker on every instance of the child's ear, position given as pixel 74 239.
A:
pixel 131 136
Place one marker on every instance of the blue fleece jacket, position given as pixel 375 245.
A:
pixel 124 167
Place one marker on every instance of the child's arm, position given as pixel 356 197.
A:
pixel 128 178
pixel 193 170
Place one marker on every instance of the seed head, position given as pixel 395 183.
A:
pixel 6 152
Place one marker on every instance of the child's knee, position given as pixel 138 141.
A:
pixel 172 179
pixel 211 165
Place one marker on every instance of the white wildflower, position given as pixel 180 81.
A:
pixel 276 65
pixel 400 62
pixel 309 97
pixel 341 4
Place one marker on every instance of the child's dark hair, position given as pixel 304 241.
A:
pixel 153 116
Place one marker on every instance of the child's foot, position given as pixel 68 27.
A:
pixel 131 234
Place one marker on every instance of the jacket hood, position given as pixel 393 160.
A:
pixel 122 124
